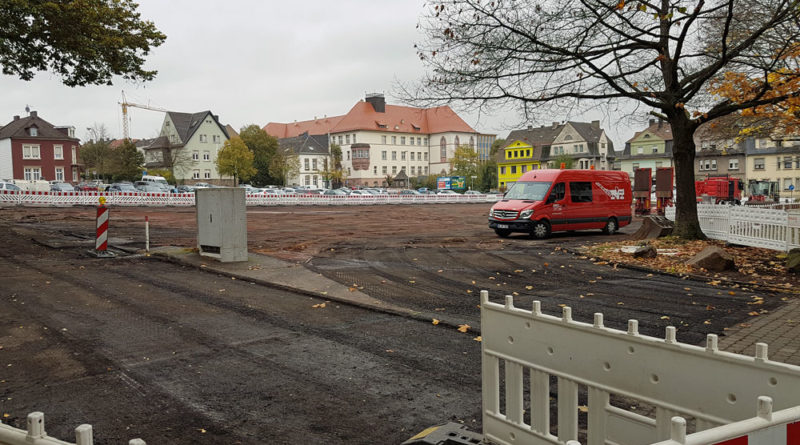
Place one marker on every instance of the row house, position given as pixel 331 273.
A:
pixel 187 145
pixel 33 149
pixel 313 154
pixel 380 141
pixel 650 148
pixel 533 148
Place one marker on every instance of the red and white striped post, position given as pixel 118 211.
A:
pixel 147 234
pixel 101 241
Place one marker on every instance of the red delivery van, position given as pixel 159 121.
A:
pixel 545 201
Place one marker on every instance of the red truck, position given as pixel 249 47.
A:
pixel 721 189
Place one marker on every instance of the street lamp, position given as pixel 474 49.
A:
pixel 472 182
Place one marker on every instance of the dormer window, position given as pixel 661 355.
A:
pixel 33 131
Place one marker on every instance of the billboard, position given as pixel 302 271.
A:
pixel 451 183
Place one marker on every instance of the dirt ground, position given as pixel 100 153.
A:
pixel 142 348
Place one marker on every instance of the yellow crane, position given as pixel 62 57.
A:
pixel 125 104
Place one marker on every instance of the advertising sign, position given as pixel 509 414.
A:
pixel 458 182
pixel 443 183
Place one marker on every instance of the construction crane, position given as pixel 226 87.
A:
pixel 125 104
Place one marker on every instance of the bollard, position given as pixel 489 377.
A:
pixel 101 233
pixel 147 234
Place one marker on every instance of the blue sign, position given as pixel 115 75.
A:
pixel 791 187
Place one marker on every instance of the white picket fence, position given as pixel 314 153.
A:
pixel 770 227
pixel 187 199
pixel 634 385
pixel 36 435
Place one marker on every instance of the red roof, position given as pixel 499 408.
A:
pixel 363 116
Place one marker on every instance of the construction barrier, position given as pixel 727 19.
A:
pixel 101 240
pixel 8 197
pixel 634 385
pixel 775 227
pixel 36 435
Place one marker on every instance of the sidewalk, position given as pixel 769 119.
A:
pixel 779 329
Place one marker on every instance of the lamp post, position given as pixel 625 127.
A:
pixel 472 182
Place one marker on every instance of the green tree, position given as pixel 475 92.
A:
pixel 95 156
pixel 126 162
pixel 554 56
pixel 264 148
pixel 84 42
pixel 284 164
pixel 236 160
pixel 464 162
pixel 337 174
pixel 496 146
pixel 565 159
pixel 487 176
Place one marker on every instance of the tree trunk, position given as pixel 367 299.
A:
pixel 687 225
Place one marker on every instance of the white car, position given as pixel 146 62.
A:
pixel 9 186
pixel 447 192
pixel 472 192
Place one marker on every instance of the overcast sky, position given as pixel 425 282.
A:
pixel 254 62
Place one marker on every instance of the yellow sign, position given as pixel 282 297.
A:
pixel 102 200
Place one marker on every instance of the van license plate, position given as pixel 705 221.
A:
pixel 502 226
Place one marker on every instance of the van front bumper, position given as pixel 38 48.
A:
pixel 517 225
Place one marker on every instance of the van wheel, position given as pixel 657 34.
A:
pixel 540 230
pixel 502 233
pixel 611 226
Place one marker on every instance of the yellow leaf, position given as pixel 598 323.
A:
pixel 518 271
pixel 473 281
pixel 753 314
pixel 440 271
pixel 463 328
pixel 545 264
pixel 412 281
pixel 731 293
pixel 478 338
pixel 390 351
pixel 202 430
pixel 529 287
pixel 664 317
pixel 435 322
pixel 621 303
pixel 6 415
pixel 469 291
pixel 583 408
pixel 319 306
pixel 351 289
pixel 707 322
pixel 562 305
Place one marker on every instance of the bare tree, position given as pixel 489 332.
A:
pixel 548 56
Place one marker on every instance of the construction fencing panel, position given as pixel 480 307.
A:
pixel 775 227
pixel 61 199
pixel 522 350
pixel 36 435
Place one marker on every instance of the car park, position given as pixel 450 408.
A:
pixel 61 187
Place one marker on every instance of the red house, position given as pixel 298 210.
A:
pixel 32 148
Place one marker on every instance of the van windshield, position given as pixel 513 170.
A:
pixel 529 191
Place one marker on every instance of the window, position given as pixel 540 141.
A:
pixel 787 162
pixel 207 174
pixel 315 180
pixel 524 168
pixel 758 164
pixel 659 164
pixel 635 165
pixel 411 140
pixel 74 174
pixel 733 164
pixel 472 142
pixel 412 155
pixel 713 164
pixel 384 169
pixel 204 138
pixel 426 170
pixel 655 149
pixel 394 170
pixel 314 164
pixel 354 141
pixel 196 174
pixel 305 162
pixel 348 156
pixel 558 192
pixel 640 150
pixel 394 140
pixel 195 155
pixel 340 139
pixel 206 156
pixel 74 157
pixel 383 154
pixel 308 178
pixel 786 183
pixel 216 138
pixel 402 140
pixel 33 131
pixel 425 141
pixel 502 170
pixel 347 139
pixel 394 156
pixel 426 155
pixel 33 173
pixel 375 170
pixel 580 191
pixel 58 152
pixel 456 142
pixel 60 174
pixel 383 140
pixel 420 139
pixel 30 151
pixel 443 149
pixel 402 156
pixel 513 169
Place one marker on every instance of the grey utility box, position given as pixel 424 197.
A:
pixel 222 223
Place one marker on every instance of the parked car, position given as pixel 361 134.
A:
pixel 472 192
pixel 86 187
pixel 9 186
pixel 121 187
pixel 148 187
pixel 360 193
pixel 202 185
pixel 185 189
pixel 335 192
pixel 272 192
pixel 409 192
pixel 61 187
pixel 447 192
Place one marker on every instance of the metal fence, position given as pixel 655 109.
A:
pixel 629 387
pixel 775 227
pixel 187 199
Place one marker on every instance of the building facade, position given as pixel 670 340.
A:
pixel 313 154
pixel 379 141
pixel 586 143
pixel 187 145
pixel 32 149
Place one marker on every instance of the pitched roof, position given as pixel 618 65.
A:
pixel 306 144
pixel 540 136
pixel 17 128
pixel 186 124
pixel 659 128
pixel 590 132
pixel 315 127
pixel 232 133
pixel 363 116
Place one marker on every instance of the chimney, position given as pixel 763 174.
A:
pixel 16 118
pixel 530 127
pixel 555 124
pixel 596 124
pixel 378 102
pixel 34 114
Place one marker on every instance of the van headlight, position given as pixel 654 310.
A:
pixel 491 212
pixel 525 214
